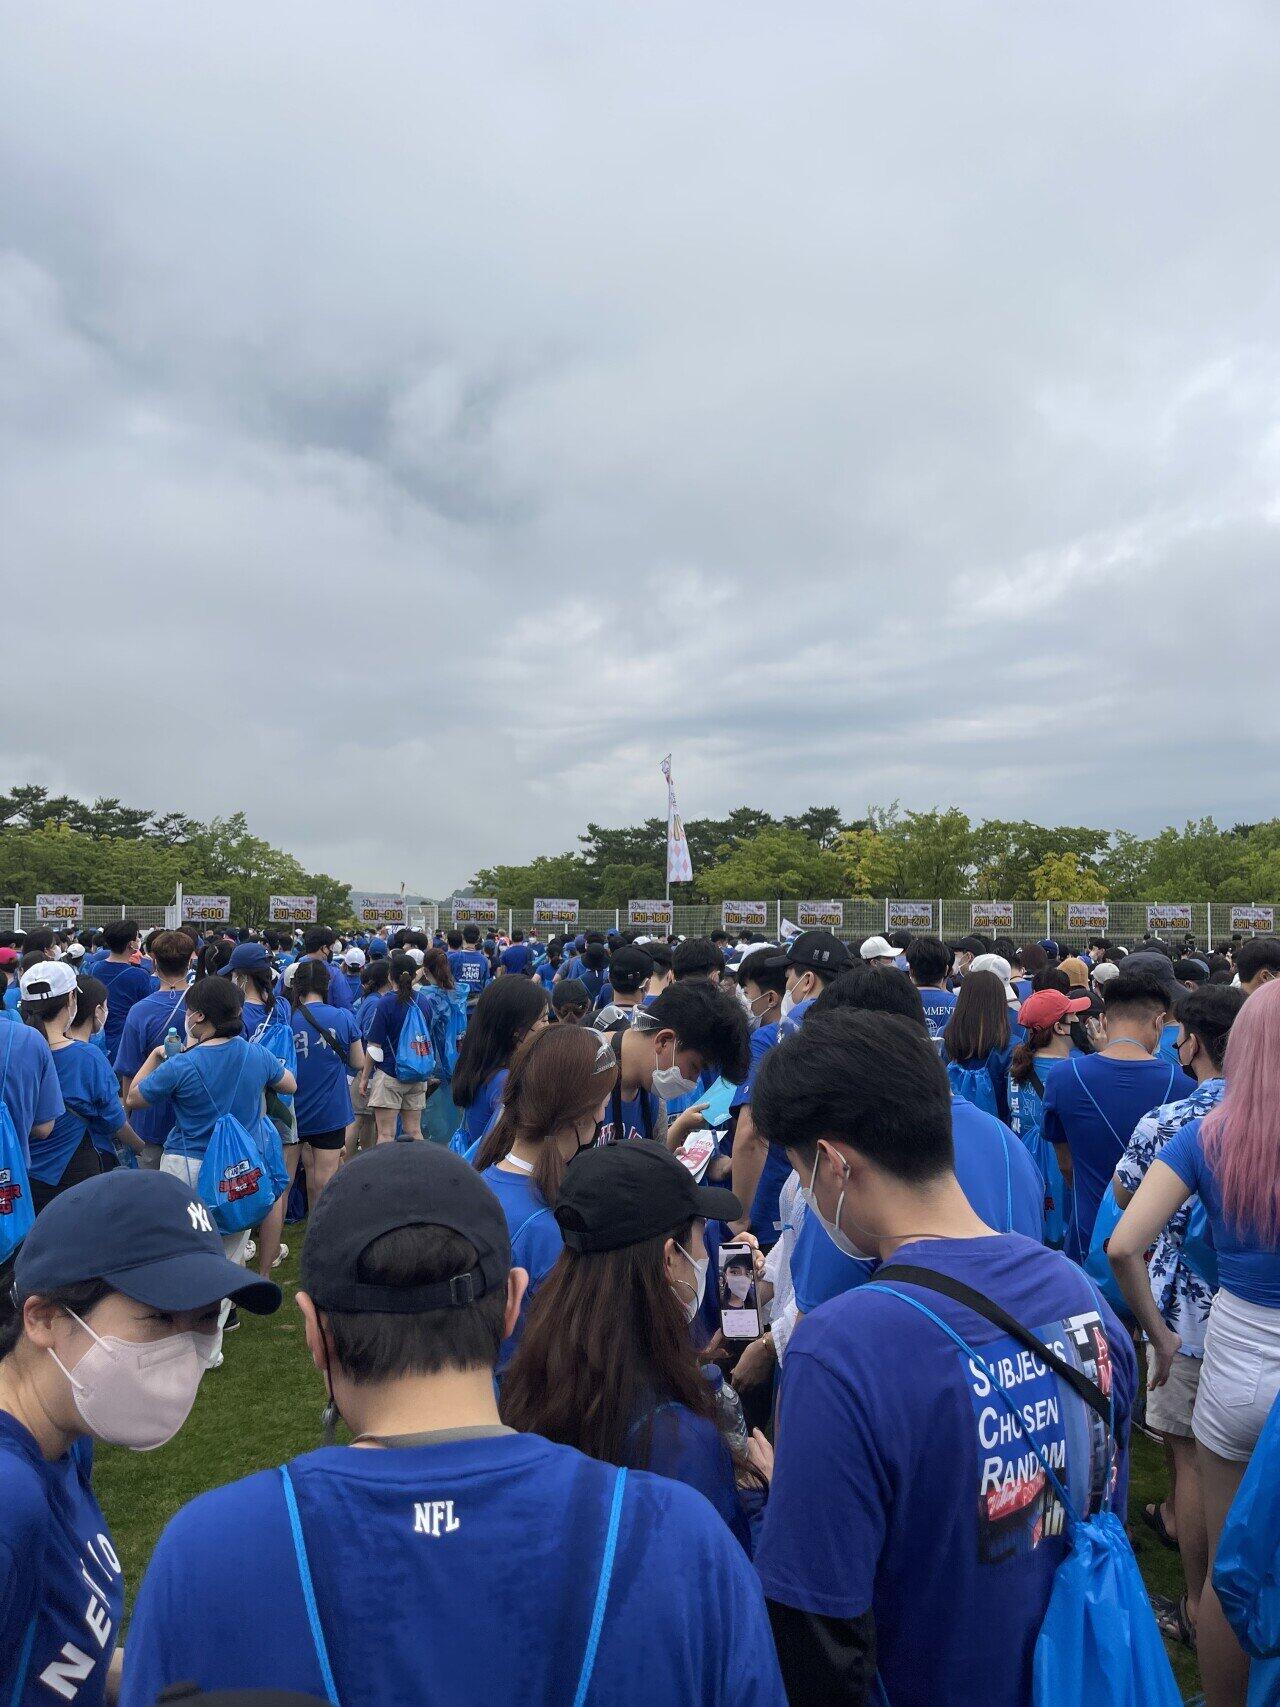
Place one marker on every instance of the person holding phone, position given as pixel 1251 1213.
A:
pixel 606 1362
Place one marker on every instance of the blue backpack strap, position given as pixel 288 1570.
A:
pixel 8 1049
pixel 525 1223
pixel 28 1641
pixel 1008 1183
pixel 1110 1128
pixel 308 1587
pixel 602 1590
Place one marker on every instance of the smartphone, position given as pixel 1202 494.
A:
pixel 739 1305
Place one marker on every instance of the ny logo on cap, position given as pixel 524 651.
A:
pixel 199 1218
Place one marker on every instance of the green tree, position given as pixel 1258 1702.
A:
pixel 108 817
pixel 775 862
pixel 519 885
pixel 1061 877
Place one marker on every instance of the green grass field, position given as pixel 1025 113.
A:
pixel 263 1407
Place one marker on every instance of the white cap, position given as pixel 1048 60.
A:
pixel 415 954
pixel 353 956
pixel 47 978
pixel 1105 971
pixel 876 948
pixel 75 951
pixel 1000 966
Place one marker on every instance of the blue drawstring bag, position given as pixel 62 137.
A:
pixel 415 1058
pixel 1099 1644
pixel 974 1085
pixel 452 1030
pixel 234 1183
pixel 461 1141
pixel 1198 1249
pixel 272 1146
pixel 1045 1158
pixel 1096 1265
pixel 17 1215
pixel 1246 1573
pixel 276 1036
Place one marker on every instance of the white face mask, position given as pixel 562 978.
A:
pixel 832 1229
pixel 669 1082
pixel 790 1000
pixel 739 1285
pixel 699 1265
pixel 136 1395
pixel 753 1018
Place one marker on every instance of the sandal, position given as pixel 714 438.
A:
pixel 1153 1517
pixel 1171 1616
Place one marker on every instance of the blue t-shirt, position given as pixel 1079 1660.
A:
pixel 939 1005
pixel 91 1093
pixel 471 968
pixel 340 994
pixel 126 984
pixel 671 1441
pixel 28 1081
pixel 1247 1267
pixel 764 1205
pixel 422 1559
pixel 1167 1048
pixel 996 1174
pixel 206 1083
pixel 146 1028
pixel 516 958
pixel 793 1021
pixel 545 973
pixel 639 1118
pixel 477 1119
pixel 13 996
pixel 535 1238
pixel 936 1515
pixel 58 1568
pixel 1092 1104
pixel 323 1097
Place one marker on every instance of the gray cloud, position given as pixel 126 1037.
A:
pixel 423 418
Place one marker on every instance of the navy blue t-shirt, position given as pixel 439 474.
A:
pixel 463 1572
pixel 516 958
pixel 671 1441
pixel 91 1093
pixel 934 1512
pixel 126 984
pixel 323 1098
pixel 470 968
pixel 535 1239
pixel 147 1026
pixel 939 1005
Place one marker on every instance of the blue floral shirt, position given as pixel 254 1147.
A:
pixel 1182 1298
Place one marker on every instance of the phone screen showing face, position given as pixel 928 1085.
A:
pixel 739 1306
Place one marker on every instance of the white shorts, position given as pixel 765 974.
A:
pixel 1240 1378
pixel 1169 1407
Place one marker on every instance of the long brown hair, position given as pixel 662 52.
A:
pixel 605 1342
pixel 1023 1059
pixel 436 962
pixel 980 1020
pixel 556 1079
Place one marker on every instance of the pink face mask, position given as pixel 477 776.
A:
pixel 137 1395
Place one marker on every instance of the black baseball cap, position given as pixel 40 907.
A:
pixel 629 968
pixel 621 1194
pixel 147 1235
pixel 813 951
pixel 394 1186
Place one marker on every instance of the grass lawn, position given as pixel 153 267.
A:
pixel 263 1407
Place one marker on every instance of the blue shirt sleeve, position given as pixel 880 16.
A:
pixel 105 1115
pixel 161 1084
pixel 130 1053
pixel 689 1449
pixel 819 1271
pixel 48 1100
pixel 1184 1153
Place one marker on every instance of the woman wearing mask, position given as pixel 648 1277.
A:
pixel 327 1042
pixel 94 1119
pixel 105 1336
pixel 552 1103
pixel 606 1362
pixel 976 1044
pixel 220 1072
pixel 266 1021
pixel 507 1010
pixel 1047 1018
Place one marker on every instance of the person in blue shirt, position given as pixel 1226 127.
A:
pixel 392 1100
pixel 1093 1102
pixel 928 963
pixel 470 967
pixel 85 1139
pixel 327 1043
pixel 630 969
pixel 29 1085
pixel 126 981
pixel 976 1044
pixel 518 958
pixel 811 960
pixel 549 966
pixel 148 1023
pixel 690 1030
pixel 606 1362
pixel 375 980
pixel 266 1020
pixel 884 1424
pixel 420 1541
pixel 552 1102
pixel 506 1011
pixel 758 1172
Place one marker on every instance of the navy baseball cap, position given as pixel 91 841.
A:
pixel 1050 947
pixel 378 948
pixel 249 957
pixel 816 951
pixel 622 1194
pixel 147 1235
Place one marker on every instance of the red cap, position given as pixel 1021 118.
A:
pixel 8 956
pixel 1047 1007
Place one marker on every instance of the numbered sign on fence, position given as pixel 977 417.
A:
pixel 374 911
pixel 59 909
pixel 1163 916
pixel 206 909
pixel 292 909
pixel 908 915
pixel 552 912
pixel 820 915
pixel 1087 915
pixel 651 915
pixel 991 916
pixel 743 915
pixel 1260 920
pixel 475 911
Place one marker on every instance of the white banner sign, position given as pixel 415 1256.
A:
pixel 1163 916
pixel 378 910
pixel 1261 920
pixel 206 909
pixel 1087 915
pixel 991 916
pixel 908 915
pixel 820 915
pixel 655 915
pixel 475 912
pixel 550 912
pixel 292 909
pixel 738 915
pixel 59 909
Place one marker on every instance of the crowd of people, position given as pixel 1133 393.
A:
pixel 709 1320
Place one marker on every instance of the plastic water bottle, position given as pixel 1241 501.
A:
pixel 172 1042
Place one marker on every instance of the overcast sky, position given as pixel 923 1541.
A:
pixel 423 417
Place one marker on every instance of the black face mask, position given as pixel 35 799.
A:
pixel 1080 1038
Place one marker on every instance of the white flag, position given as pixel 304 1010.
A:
pixel 679 865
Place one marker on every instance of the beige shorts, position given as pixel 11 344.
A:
pixel 1169 1407
pixel 386 1091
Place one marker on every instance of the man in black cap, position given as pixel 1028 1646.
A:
pixel 812 960
pixel 441 1556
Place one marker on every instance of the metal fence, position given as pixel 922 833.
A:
pixel 25 918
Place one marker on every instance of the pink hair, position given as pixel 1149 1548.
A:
pixel 1241 1136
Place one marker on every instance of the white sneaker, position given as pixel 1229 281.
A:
pixel 216 1362
pixel 281 1254
pixel 250 1251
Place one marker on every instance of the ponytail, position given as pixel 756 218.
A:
pixel 310 978
pixel 1023 1060
pixel 404 969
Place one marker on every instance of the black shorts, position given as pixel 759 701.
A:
pixel 84 1163
pixel 324 1140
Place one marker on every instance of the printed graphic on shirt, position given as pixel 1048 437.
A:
pixel 1017 1504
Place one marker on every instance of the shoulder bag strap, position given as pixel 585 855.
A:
pixel 1037 1083
pixel 308 1587
pixel 981 1305
pixel 602 1591
pixel 328 1036
pixel 1110 1128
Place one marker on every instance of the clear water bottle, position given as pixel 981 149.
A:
pixel 172 1042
